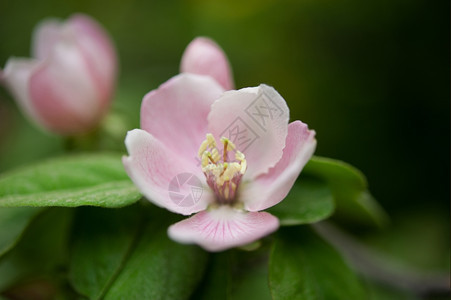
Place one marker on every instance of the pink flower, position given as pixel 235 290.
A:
pixel 237 145
pixel 67 87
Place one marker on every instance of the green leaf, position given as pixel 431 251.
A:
pixel 101 241
pixel 95 179
pixel 349 186
pixel 308 202
pixel 126 254
pixel 159 268
pixel 236 275
pixel 13 222
pixel 400 247
pixel 215 283
pixel 41 252
pixel 303 266
pixel 249 278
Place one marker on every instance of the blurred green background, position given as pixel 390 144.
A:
pixel 371 77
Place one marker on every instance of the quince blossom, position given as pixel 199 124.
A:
pixel 238 143
pixel 68 85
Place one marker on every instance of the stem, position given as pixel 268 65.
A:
pixel 378 267
pixel 83 142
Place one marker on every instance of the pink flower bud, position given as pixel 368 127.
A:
pixel 68 85
pixel 204 57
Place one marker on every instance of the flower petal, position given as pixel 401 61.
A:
pixel 256 120
pixel 91 40
pixel 222 228
pixel 176 113
pixel 162 177
pixel 16 76
pixel 203 56
pixel 99 52
pixel 45 36
pixel 271 188
pixel 63 92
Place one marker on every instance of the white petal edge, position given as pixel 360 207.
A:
pixel 45 36
pixel 16 77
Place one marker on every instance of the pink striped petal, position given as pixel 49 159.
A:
pixel 269 189
pixel 160 175
pixel 223 228
pixel 256 120
pixel 176 113
pixel 99 52
pixel 203 56
pixel 63 92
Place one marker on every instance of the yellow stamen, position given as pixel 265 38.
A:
pixel 215 155
pixel 224 151
pixel 204 159
pixel 211 140
pixel 203 147
pixel 239 156
pixel 223 176
pixel 230 145
pixel 231 170
pixel 243 166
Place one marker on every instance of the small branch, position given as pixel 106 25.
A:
pixel 378 267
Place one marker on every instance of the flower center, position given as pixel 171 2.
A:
pixel 222 170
